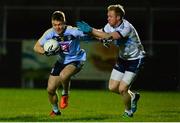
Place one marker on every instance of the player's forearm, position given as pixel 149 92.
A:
pixel 100 34
pixel 38 49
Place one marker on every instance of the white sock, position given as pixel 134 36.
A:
pixel 55 108
pixel 129 112
pixel 64 93
pixel 131 94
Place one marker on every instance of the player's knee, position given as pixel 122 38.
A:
pixel 113 88
pixel 51 91
pixel 123 90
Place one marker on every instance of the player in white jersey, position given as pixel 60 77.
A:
pixel 70 58
pixel 131 54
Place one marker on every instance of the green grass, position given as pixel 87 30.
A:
pixel 24 105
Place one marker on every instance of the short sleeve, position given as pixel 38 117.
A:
pixel 47 35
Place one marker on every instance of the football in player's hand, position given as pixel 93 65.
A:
pixel 51 45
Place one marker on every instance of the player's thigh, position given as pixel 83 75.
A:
pixel 69 70
pixel 132 68
pixel 127 80
pixel 115 79
pixel 53 82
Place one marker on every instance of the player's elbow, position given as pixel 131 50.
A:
pixel 35 48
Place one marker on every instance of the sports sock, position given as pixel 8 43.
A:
pixel 131 94
pixel 55 108
pixel 64 93
pixel 128 111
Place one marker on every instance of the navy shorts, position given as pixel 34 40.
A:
pixel 58 67
pixel 129 65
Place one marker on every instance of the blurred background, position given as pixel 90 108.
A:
pixel 22 22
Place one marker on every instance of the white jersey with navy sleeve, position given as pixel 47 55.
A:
pixel 69 43
pixel 130 45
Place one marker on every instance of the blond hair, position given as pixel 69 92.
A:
pixel 118 9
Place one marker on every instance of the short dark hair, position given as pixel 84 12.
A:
pixel 119 9
pixel 59 16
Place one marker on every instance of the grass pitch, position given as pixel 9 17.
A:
pixel 31 105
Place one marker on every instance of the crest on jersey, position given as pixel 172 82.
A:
pixel 64 38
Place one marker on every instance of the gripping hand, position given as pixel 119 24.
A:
pixel 106 42
pixel 83 26
pixel 52 53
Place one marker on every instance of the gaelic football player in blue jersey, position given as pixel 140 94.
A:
pixel 131 54
pixel 70 58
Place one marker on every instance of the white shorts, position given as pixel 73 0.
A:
pixel 127 77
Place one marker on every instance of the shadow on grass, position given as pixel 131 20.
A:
pixel 90 118
pixel 26 118
pixel 83 119
pixel 19 118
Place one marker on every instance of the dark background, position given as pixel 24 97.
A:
pixel 157 22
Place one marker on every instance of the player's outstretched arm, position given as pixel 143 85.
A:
pixel 86 28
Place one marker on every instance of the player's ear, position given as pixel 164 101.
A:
pixel 118 17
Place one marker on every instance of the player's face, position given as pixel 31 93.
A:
pixel 112 18
pixel 58 26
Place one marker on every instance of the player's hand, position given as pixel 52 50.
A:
pixel 106 42
pixel 52 53
pixel 83 26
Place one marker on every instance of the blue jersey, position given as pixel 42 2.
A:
pixel 69 43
